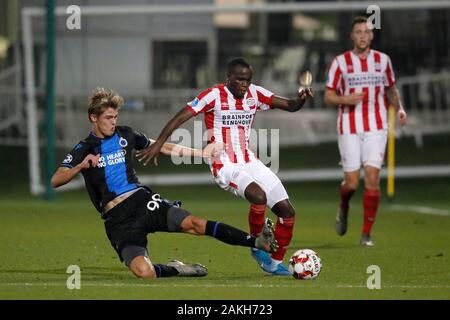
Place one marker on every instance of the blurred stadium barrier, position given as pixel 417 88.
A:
pixel 161 55
pixel 11 107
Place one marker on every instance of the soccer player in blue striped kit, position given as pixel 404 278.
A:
pixel 131 210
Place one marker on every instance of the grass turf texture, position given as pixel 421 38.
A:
pixel 39 240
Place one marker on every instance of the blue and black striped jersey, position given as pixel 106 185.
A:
pixel 115 173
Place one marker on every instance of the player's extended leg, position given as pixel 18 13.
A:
pixel 370 202
pixel 283 234
pixel 257 198
pixel 270 188
pixel 346 191
pixel 256 217
pixel 230 235
pixel 142 267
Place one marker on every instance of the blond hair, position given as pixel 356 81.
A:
pixel 102 99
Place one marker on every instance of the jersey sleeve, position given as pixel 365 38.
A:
pixel 202 103
pixel 265 98
pixel 389 74
pixel 334 76
pixel 141 140
pixel 75 156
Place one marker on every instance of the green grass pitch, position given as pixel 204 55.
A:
pixel 39 240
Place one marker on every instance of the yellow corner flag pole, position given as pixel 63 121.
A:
pixel 391 154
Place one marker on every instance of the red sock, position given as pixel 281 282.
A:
pixel 346 195
pixel 370 204
pixel 256 218
pixel 283 234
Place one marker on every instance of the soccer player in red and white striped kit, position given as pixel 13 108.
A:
pixel 361 83
pixel 229 110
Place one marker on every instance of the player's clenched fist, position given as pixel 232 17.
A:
pixel 401 116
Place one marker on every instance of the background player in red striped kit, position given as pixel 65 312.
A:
pixel 361 83
pixel 229 111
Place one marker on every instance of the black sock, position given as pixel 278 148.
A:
pixel 229 234
pixel 164 271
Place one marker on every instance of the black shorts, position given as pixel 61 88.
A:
pixel 128 223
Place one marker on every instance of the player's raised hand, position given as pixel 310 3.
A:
pixel 354 98
pixel 91 161
pixel 213 150
pixel 305 93
pixel 401 116
pixel 152 152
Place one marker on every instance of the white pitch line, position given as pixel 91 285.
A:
pixel 420 209
pixel 398 286
pixel 200 285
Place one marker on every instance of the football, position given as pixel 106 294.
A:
pixel 305 264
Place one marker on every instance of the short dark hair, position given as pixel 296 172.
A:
pixel 238 61
pixel 102 99
pixel 357 20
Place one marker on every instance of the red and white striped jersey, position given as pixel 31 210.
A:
pixel 229 119
pixel 349 74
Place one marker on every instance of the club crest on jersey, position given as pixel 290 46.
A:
pixel 123 142
pixel 377 67
pixel 68 159
pixel 250 102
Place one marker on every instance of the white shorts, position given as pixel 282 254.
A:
pixel 365 148
pixel 236 177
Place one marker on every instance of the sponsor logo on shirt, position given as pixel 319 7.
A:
pixel 237 118
pixel 365 80
pixel 112 158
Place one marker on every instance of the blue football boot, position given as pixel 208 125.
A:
pixel 265 242
pixel 277 269
pixel 261 256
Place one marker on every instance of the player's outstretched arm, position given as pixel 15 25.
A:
pixel 171 149
pixel 155 148
pixel 295 104
pixel 63 175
